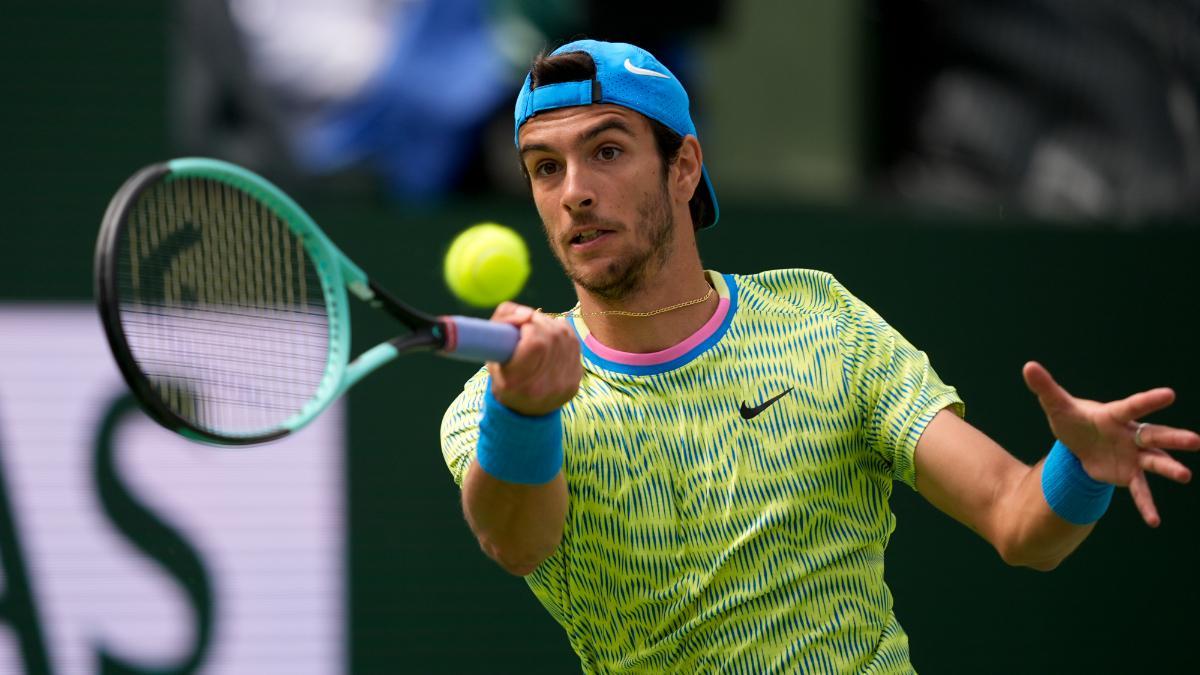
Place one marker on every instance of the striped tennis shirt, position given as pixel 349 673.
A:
pixel 728 497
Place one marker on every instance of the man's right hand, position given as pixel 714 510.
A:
pixel 544 371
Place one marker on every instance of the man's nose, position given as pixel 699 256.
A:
pixel 579 193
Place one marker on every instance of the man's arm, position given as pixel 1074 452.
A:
pixel 520 524
pixel 517 525
pixel 971 478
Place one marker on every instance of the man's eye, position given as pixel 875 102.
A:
pixel 545 168
pixel 608 153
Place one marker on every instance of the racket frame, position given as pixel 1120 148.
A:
pixel 336 272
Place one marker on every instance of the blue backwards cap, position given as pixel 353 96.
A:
pixel 627 76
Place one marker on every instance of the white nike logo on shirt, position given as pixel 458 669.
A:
pixel 642 71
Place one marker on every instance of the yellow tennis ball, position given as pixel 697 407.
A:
pixel 486 265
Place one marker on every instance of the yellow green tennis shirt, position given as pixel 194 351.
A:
pixel 729 496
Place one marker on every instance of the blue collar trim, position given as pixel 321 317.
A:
pixel 686 358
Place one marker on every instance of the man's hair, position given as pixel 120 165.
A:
pixel 578 66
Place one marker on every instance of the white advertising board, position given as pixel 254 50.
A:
pixel 122 543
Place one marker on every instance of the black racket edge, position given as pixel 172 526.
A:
pixel 429 333
pixel 108 303
pixel 440 334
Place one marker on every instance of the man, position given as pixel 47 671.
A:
pixel 692 469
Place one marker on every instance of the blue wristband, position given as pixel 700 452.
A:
pixel 518 448
pixel 1075 496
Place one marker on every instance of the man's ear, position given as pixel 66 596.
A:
pixel 685 172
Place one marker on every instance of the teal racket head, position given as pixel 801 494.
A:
pixel 224 305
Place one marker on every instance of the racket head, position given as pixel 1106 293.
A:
pixel 224 305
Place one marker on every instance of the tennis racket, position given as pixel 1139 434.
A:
pixel 226 307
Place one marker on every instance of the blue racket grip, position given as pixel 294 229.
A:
pixel 471 339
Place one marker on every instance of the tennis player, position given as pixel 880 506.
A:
pixel 692 469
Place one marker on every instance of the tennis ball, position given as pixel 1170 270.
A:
pixel 486 265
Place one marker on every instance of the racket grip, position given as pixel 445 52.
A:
pixel 471 339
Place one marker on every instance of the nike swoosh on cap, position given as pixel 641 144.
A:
pixel 643 71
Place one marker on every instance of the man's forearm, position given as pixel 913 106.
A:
pixel 1035 536
pixel 517 525
pixel 970 477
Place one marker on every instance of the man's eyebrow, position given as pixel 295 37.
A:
pixel 534 147
pixel 606 125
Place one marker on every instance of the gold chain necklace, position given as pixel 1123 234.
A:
pixel 621 312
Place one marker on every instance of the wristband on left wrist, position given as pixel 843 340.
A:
pixel 1072 494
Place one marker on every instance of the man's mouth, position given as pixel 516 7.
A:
pixel 584 237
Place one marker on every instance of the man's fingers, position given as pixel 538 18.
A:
pixel 545 369
pixel 1169 438
pixel 1159 462
pixel 1051 396
pixel 1140 489
pixel 513 313
pixel 531 349
pixel 1142 404
pixel 549 322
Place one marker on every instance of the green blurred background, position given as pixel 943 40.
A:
pixel 1108 308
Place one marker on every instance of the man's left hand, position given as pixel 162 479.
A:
pixel 1109 439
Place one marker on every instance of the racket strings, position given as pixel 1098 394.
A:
pixel 222 307
pixel 157 310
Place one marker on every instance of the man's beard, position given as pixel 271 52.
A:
pixel 625 276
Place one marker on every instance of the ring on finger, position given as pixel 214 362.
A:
pixel 1137 435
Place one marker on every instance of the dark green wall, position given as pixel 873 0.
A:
pixel 1108 310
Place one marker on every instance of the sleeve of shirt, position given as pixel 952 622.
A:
pixel 892 384
pixel 460 426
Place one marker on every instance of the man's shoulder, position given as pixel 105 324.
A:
pixel 795 292
pixel 470 400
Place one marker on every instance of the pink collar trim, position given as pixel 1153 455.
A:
pixel 670 353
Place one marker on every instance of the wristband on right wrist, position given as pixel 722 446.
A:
pixel 1072 494
pixel 519 448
